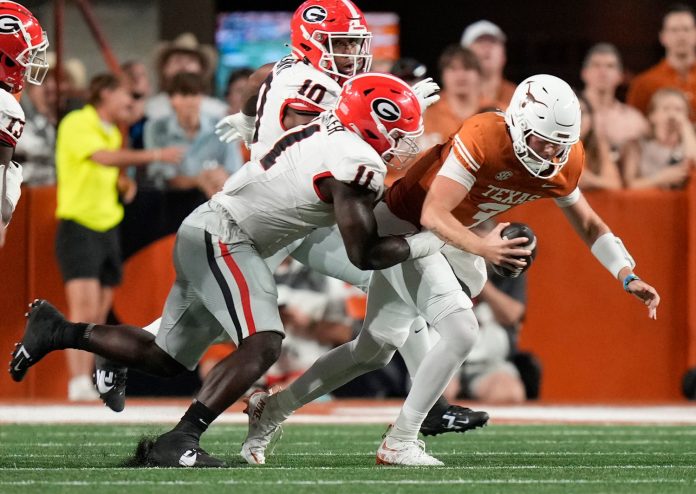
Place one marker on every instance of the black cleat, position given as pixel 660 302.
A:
pixel 43 323
pixel 180 449
pixel 110 380
pixel 453 419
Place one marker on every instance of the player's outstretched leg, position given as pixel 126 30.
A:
pixel 224 385
pixel 443 416
pixel 43 333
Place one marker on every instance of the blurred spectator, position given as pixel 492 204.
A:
pixel 487 41
pixel 88 158
pixel 141 90
pixel 664 159
pixel 207 162
pixel 409 69
pixel 184 54
pixel 612 121
pixel 236 84
pixel 36 150
pixel 234 95
pixel 460 73
pixel 678 68
pixel 601 171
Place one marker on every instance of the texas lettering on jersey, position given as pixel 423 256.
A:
pixel 481 158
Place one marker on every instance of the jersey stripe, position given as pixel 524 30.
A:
pixel 285 142
pixel 222 283
pixel 242 285
pixel 465 153
pixel 262 105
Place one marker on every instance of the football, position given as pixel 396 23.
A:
pixel 516 230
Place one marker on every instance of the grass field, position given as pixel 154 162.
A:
pixel 314 459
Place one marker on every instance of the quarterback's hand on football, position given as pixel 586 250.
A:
pixel 501 251
pixel 234 127
pixel 427 91
pixel 647 294
pixel 10 188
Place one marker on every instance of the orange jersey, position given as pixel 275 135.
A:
pixel 480 157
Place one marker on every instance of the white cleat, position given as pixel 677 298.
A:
pixel 261 432
pixel 394 451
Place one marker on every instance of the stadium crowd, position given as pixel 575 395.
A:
pixel 171 147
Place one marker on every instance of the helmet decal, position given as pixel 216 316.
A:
pixel 9 24
pixel 386 109
pixel 315 14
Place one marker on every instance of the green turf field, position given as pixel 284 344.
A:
pixel 328 459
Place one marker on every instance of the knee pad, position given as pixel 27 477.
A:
pixel 459 330
pixel 371 353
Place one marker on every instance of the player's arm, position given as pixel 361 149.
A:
pixel 353 208
pixel 444 196
pixel 122 158
pixel 10 184
pixel 608 249
pixel 241 124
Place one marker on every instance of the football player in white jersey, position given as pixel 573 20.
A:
pixel 330 42
pixel 23 46
pixel 329 171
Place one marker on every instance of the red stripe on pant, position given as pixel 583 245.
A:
pixel 243 287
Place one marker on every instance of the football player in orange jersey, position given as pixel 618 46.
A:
pixel 497 161
pixel 494 162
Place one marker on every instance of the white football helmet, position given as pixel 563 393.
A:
pixel 545 106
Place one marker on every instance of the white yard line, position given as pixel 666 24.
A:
pixel 533 414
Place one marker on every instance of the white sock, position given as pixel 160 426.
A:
pixel 416 347
pixel 458 333
pixel 330 371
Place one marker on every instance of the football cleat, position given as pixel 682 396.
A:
pixel 453 419
pixel 110 380
pixel 43 324
pixel 395 451
pixel 262 434
pixel 180 449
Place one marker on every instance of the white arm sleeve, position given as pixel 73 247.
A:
pixel 569 200
pixel 454 170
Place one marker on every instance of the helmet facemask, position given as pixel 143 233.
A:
pixel 402 145
pixel 326 41
pixel 35 61
pixel 536 164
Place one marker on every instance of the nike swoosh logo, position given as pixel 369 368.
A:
pixel 548 186
pixel 103 380
pixel 18 366
pixel 418 330
pixel 188 459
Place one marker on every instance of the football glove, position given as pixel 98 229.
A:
pixel 427 91
pixel 10 188
pixel 234 127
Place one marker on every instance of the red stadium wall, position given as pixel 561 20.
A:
pixel 595 342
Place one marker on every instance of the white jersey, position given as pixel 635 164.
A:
pixel 11 119
pixel 276 200
pixel 295 84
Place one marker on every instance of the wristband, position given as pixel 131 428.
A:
pixel 628 279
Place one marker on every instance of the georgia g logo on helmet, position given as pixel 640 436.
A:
pixel 315 14
pixel 9 24
pixel 386 109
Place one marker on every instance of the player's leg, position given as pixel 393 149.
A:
pixel 237 290
pixel 386 327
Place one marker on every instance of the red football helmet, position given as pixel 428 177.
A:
pixel 333 36
pixel 23 46
pixel 385 112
